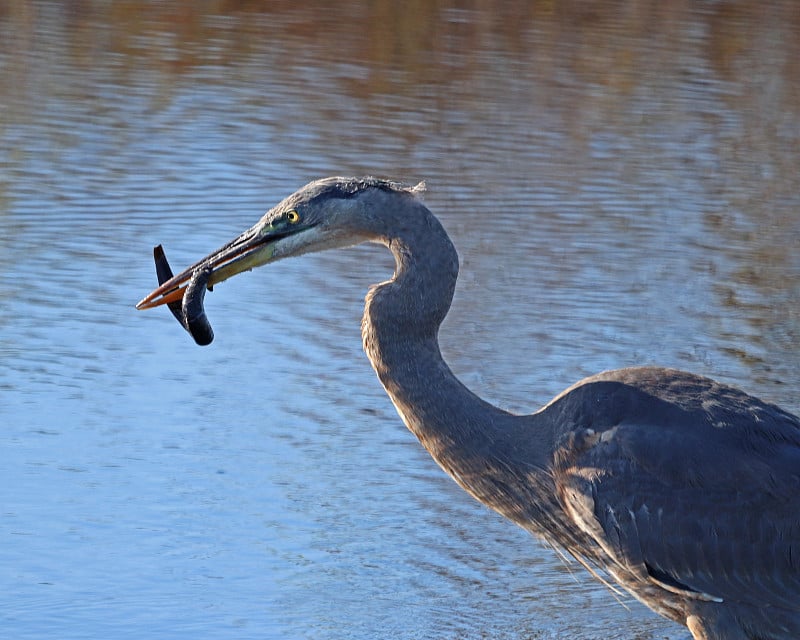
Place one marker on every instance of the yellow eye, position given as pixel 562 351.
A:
pixel 293 217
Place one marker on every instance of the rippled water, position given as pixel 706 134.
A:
pixel 621 183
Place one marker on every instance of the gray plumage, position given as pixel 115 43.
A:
pixel 683 490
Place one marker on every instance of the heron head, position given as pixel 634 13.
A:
pixel 328 213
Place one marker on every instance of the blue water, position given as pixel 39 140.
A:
pixel 616 199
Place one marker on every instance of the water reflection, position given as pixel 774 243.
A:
pixel 620 181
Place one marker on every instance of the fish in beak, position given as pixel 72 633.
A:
pixel 184 293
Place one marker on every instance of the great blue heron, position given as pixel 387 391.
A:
pixel 684 490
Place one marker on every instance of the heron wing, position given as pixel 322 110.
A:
pixel 703 508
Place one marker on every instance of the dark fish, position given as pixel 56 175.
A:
pixel 189 312
pixel 164 273
pixel 194 316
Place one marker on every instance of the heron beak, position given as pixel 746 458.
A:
pixel 251 249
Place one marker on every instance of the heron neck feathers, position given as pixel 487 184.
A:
pixel 464 433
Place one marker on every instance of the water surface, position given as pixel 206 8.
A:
pixel 620 181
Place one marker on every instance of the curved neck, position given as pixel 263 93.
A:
pixel 463 433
